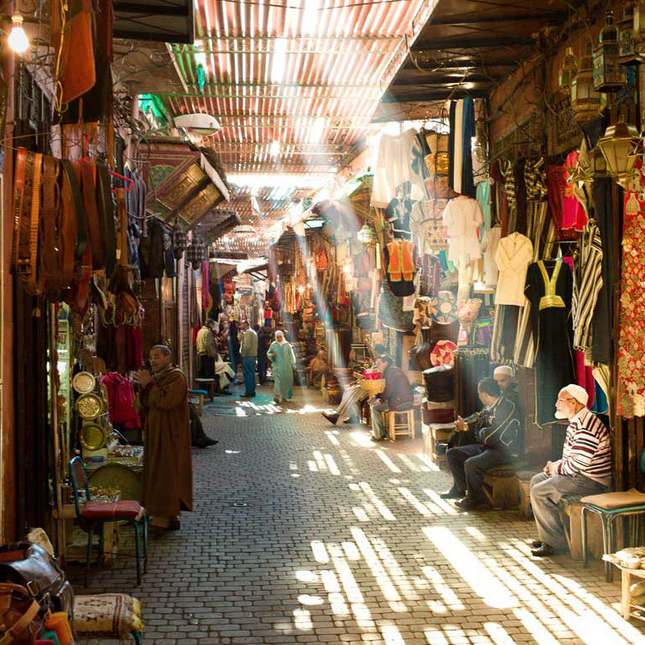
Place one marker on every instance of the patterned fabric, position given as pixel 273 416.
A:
pixel 446 308
pixel 587 449
pixel 631 344
pixel 587 285
pixel 443 353
pixel 110 614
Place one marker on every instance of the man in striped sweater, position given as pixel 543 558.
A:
pixel 585 469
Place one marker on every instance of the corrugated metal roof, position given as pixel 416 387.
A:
pixel 307 74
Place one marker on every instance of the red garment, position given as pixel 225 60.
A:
pixel 584 376
pixel 560 194
pixel 121 401
pixel 573 214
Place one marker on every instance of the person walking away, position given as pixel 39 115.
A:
pixel 283 363
pixel 206 350
pixel 585 469
pixel 396 396
pixel 167 461
pixel 249 354
pixel 264 340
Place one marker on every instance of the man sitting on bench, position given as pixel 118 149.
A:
pixel 496 431
pixel 585 469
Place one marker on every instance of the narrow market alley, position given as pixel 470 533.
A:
pixel 308 533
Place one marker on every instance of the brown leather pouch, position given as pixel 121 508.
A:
pixel 77 71
pixel 19 621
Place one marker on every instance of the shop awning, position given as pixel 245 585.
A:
pixel 192 191
pixel 165 21
pixel 466 49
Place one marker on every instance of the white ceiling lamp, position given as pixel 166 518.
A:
pixel 198 124
pixel 18 40
pixel 279 60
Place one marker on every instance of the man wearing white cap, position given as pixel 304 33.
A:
pixel 585 469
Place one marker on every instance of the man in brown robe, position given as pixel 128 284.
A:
pixel 167 459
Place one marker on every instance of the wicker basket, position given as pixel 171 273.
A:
pixel 373 386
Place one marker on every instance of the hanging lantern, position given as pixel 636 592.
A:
pixel 586 103
pixel 626 36
pixel 639 27
pixel 568 71
pixel 367 235
pixel 197 252
pixel 179 242
pixel 617 146
pixel 608 73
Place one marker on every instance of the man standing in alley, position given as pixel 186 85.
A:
pixel 249 354
pixel 585 469
pixel 206 350
pixel 167 459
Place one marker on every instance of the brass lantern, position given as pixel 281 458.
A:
pixel 586 103
pixel 367 235
pixel 639 27
pixel 608 74
pixel 617 146
pixel 568 71
pixel 626 36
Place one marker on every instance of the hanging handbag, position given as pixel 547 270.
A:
pixel 20 623
pixel 390 311
pixel 27 564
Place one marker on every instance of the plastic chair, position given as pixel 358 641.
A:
pixel 609 506
pixel 97 514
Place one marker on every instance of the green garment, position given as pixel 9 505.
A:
pixel 283 361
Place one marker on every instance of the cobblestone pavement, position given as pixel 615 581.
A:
pixel 308 533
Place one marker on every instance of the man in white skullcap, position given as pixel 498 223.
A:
pixel 585 469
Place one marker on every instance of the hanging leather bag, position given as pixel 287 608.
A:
pixel 73 33
pixel 19 620
pixel 29 565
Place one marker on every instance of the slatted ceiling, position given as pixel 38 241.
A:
pixel 338 58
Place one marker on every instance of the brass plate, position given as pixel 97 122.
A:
pixel 89 406
pixel 84 382
pixel 127 480
pixel 92 437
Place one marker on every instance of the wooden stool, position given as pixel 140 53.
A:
pixel 206 384
pixel 401 423
pixel 501 486
pixel 199 395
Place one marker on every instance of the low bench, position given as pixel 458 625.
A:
pixel 109 615
pixel 206 384
pixel 501 485
pixel 198 395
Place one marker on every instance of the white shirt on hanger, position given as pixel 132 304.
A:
pixel 513 256
pixel 462 217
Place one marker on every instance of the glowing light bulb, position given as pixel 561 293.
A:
pixel 18 40
pixel 301 289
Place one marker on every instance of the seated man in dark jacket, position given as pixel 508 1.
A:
pixel 496 431
pixel 397 395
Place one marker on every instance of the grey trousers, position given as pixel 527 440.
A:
pixel 349 404
pixel 378 422
pixel 546 492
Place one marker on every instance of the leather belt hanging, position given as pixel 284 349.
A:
pixel 26 217
pixel 106 215
pixel 92 215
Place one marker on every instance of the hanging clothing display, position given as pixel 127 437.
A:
pixel 398 212
pixel 396 154
pixel 489 246
pixel 574 216
pixel 561 200
pixel 587 284
pixel 514 253
pixel 549 289
pixel 631 343
pixel 603 318
pixel 484 199
pixel 400 267
pixel 462 218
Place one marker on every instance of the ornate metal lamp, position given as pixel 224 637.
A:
pixel 627 54
pixel 608 73
pixel 567 71
pixel 179 242
pixel 586 103
pixel 367 235
pixel 617 146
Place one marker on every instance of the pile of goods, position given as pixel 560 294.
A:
pixel 629 558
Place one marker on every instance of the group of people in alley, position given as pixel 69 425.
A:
pixel 488 438
pixel 493 437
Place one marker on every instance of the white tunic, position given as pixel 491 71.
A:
pixel 462 218
pixel 489 249
pixel 513 256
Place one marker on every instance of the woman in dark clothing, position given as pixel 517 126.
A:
pixel 233 346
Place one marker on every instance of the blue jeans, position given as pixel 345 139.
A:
pixel 248 369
